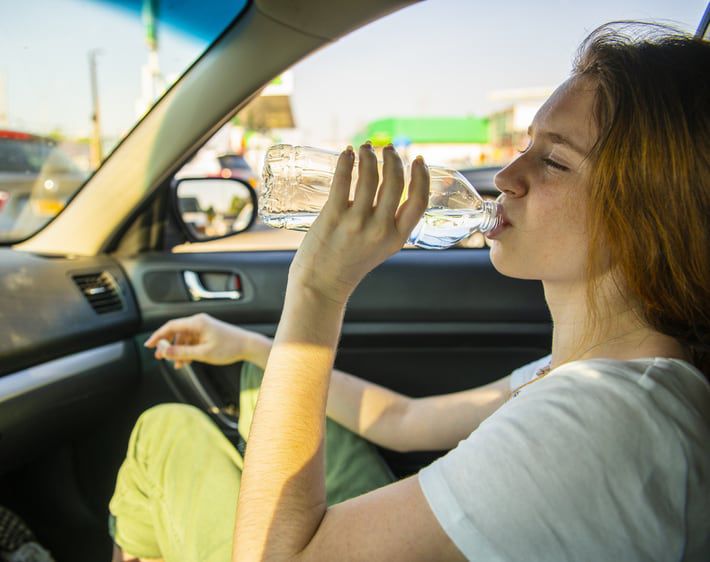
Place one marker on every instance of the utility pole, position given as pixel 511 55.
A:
pixel 152 82
pixel 96 152
pixel 3 103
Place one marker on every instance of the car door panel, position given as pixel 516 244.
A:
pixel 422 323
pixel 412 286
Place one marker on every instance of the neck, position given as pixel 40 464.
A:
pixel 621 334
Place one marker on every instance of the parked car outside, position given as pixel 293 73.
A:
pixel 235 166
pixel 192 214
pixel 212 164
pixel 36 180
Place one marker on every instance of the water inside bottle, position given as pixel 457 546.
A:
pixel 438 229
pixel 442 228
pixel 292 221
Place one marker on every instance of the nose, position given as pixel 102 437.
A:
pixel 511 179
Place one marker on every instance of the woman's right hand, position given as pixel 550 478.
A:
pixel 206 339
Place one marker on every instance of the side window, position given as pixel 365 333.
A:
pixel 237 151
pixel 461 92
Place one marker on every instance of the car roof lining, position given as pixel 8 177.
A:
pixel 323 19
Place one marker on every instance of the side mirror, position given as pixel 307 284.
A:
pixel 211 208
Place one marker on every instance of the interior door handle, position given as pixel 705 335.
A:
pixel 198 291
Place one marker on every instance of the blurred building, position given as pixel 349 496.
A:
pixel 452 141
pixel 265 120
pixel 272 108
pixel 508 127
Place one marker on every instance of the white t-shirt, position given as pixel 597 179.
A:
pixel 599 460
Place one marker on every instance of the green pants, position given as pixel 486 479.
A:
pixel 176 492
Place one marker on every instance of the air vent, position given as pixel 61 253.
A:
pixel 101 291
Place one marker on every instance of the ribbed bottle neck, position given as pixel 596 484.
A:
pixel 492 215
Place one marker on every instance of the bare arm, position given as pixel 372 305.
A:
pixel 368 409
pixel 383 416
pixel 363 407
pixel 282 512
pixel 398 422
pixel 440 422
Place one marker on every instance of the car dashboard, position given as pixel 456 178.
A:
pixel 66 350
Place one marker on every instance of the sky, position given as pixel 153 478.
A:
pixel 44 63
pixel 439 57
pixel 446 57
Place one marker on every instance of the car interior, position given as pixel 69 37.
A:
pixel 79 298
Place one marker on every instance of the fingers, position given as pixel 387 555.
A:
pixel 367 179
pixel 181 340
pixel 390 193
pixel 412 210
pixel 340 188
pixel 159 334
pixel 164 351
pixel 177 352
pixel 168 331
pixel 184 354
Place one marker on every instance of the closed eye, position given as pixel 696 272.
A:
pixel 552 164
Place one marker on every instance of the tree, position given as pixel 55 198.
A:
pixel 236 206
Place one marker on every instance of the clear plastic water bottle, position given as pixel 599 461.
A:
pixel 296 181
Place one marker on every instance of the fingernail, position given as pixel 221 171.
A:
pixel 419 159
pixel 349 148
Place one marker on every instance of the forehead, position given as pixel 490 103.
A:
pixel 569 112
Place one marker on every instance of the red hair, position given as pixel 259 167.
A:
pixel 649 197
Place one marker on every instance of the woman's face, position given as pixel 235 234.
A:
pixel 544 191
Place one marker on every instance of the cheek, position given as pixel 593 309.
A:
pixel 564 249
pixel 550 243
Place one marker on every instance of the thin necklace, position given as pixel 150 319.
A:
pixel 541 372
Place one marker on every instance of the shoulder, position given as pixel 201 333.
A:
pixel 650 395
pixel 640 417
pixel 648 419
pixel 598 448
pixel 661 384
pixel 527 372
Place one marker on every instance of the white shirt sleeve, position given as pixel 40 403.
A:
pixel 523 374
pixel 565 471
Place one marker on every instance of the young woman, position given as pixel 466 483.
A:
pixel 600 454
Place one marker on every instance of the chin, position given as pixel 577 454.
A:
pixel 513 266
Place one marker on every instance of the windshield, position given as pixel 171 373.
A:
pixel 75 79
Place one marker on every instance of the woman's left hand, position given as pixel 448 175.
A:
pixel 350 238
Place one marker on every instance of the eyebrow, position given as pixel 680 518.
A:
pixel 561 139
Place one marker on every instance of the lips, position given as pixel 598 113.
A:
pixel 504 220
pixel 504 223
